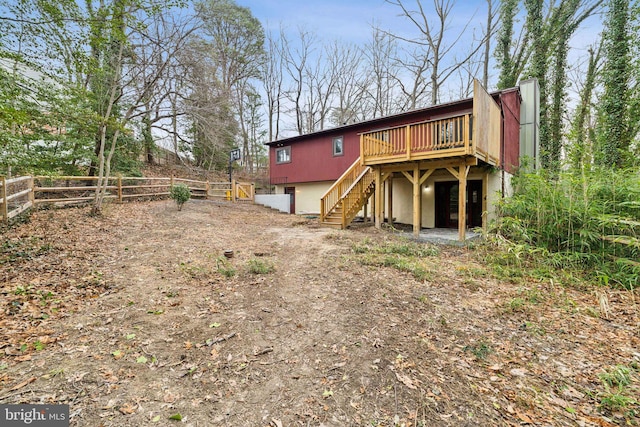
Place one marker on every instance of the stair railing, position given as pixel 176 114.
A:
pixel 334 194
pixel 356 195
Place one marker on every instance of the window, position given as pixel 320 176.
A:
pixel 283 155
pixel 338 146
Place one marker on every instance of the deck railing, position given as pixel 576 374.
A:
pixel 432 139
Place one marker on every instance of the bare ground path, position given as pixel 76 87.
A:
pixel 137 316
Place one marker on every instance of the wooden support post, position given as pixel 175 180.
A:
pixel 5 205
pixel 379 198
pixel 364 213
pixel 119 189
pixel 390 195
pixel 207 187
pixel 417 201
pixel 462 201
pixel 233 191
pixel 383 199
pixel 485 208
pixel 373 208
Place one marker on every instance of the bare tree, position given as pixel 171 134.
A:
pixel 133 85
pixel 582 126
pixel 155 49
pixel 414 81
pixel 296 59
pixel 490 29
pixel 272 78
pixel 437 43
pixel 350 86
pixel 209 111
pixel 381 80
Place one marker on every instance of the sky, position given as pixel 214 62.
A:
pixel 330 19
pixel 348 20
pixel 352 20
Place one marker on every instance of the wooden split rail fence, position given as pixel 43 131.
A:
pixel 21 193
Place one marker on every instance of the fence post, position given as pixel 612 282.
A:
pixel 5 207
pixel 234 190
pixel 207 187
pixel 119 189
pixel 32 193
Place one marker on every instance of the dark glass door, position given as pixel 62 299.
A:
pixel 447 204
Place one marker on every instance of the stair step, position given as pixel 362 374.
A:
pixel 333 219
pixel 331 224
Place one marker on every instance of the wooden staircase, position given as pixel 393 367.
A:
pixel 346 197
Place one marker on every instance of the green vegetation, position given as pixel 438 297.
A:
pixel 619 376
pixel 404 248
pixel 23 249
pixel 180 194
pixel 225 268
pixel 620 390
pixel 259 266
pixel 615 124
pixel 583 224
pixel 480 350
pixel 402 255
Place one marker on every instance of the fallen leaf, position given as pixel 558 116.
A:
pixel 404 379
pixel 127 409
pixel 155 419
pixel 518 372
pixel 24 358
pixel 524 417
pixel 170 397
pixel 141 359
pixel 176 417
pixel 117 354
pixel 22 384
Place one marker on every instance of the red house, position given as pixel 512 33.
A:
pixel 438 167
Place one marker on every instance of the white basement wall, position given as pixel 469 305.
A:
pixel 308 196
pixel 274 201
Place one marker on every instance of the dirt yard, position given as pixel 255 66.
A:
pixel 138 319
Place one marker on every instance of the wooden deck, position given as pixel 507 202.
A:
pixel 475 135
pixel 415 151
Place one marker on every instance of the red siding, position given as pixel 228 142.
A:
pixel 312 155
pixel 313 159
pixel 511 130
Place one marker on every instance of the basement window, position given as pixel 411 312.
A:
pixel 338 146
pixel 283 155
